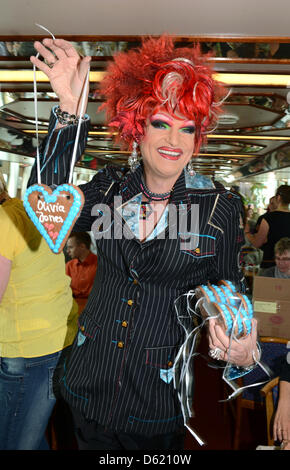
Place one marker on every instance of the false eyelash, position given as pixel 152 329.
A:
pixel 157 123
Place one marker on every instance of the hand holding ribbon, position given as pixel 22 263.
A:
pixel 242 352
pixel 65 69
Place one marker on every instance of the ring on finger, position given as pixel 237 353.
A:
pixel 215 353
pixel 49 64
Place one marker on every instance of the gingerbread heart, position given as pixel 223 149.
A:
pixel 48 226
pixel 54 212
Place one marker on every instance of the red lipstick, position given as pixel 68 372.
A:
pixel 170 153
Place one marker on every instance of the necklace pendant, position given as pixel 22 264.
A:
pixel 145 210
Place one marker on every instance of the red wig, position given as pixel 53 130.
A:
pixel 158 74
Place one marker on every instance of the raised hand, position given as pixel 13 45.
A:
pixel 65 69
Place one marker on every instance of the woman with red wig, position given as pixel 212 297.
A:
pixel 120 380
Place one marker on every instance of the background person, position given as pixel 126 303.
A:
pixel 82 267
pixel 282 260
pixel 251 217
pixel 38 322
pixel 118 379
pixel 272 206
pixel 274 226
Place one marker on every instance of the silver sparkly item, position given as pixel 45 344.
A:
pixel 133 159
pixel 215 353
pixel 189 168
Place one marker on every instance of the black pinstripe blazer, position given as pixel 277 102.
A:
pixel 128 333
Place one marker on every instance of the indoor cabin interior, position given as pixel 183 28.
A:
pixel 249 151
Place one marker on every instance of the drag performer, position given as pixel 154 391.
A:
pixel 162 101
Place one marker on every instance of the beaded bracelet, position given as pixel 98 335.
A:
pixel 229 285
pixel 228 294
pixel 225 315
pixel 204 290
pixel 246 303
pixel 217 293
pixel 65 118
pixel 243 321
pixel 234 309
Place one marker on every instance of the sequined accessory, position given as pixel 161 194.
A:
pixel 189 168
pixel 133 159
pixel 215 353
pixel 65 118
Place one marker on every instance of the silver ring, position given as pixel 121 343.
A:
pixel 284 443
pixel 49 64
pixel 215 353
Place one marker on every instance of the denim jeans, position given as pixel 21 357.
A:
pixel 26 401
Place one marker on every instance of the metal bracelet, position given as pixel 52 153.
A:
pixel 65 118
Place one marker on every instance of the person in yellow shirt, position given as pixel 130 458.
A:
pixel 38 323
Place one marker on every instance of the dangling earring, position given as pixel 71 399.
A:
pixel 189 168
pixel 133 159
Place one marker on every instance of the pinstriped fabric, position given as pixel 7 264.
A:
pixel 56 152
pixel 128 332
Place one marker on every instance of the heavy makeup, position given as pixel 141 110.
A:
pixel 166 148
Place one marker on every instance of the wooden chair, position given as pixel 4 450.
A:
pixel 270 393
pixel 273 349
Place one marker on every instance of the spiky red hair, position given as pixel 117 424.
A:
pixel 158 74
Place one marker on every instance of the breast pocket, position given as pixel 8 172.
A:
pixel 198 245
pixel 161 360
pixel 89 329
